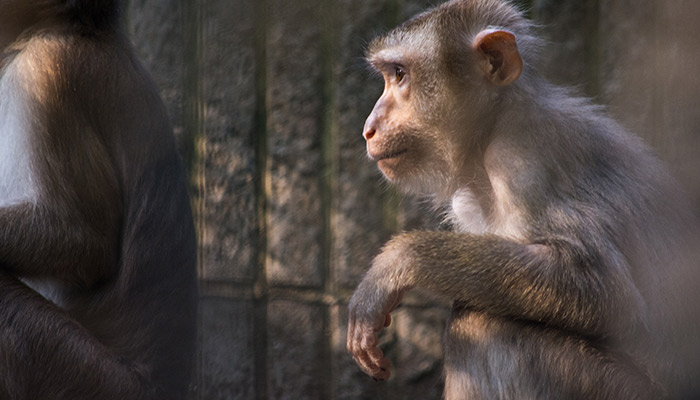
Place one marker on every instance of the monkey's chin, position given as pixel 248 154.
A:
pixel 411 180
pixel 390 169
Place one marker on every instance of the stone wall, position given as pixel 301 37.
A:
pixel 268 99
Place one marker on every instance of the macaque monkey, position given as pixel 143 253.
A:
pixel 97 249
pixel 566 264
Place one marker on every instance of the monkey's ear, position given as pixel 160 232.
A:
pixel 500 57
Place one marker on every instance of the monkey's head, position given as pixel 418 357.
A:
pixel 445 72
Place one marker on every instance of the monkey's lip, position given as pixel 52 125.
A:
pixel 387 155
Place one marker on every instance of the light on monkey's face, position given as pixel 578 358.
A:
pixel 389 160
pixel 397 153
pixel 393 142
pixel 391 166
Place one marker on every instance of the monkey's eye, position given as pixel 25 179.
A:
pixel 399 74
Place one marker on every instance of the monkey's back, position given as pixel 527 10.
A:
pixel 158 246
pixel 609 189
pixel 145 310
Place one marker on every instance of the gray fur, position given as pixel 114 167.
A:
pixel 584 285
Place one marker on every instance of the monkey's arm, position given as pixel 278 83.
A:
pixel 43 348
pixel 39 240
pixel 557 282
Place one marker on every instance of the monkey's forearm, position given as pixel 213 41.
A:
pixel 553 284
pixel 35 241
pixel 71 355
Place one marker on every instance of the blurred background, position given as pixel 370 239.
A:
pixel 268 99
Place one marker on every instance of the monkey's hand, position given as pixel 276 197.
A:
pixel 369 311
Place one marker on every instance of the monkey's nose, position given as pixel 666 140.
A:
pixel 369 133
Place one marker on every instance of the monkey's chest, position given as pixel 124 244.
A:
pixel 466 214
pixel 505 219
pixel 17 179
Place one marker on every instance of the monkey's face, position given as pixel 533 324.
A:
pixel 390 140
pixel 397 138
pixel 402 136
pixel 438 96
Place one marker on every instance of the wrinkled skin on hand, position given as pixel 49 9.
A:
pixel 369 311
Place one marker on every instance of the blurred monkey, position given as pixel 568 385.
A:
pixel 97 248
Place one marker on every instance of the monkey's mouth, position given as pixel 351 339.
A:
pixel 388 155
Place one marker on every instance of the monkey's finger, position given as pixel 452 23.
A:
pixel 375 354
pixel 355 333
pixel 359 329
pixel 371 353
pixel 363 360
pixel 385 368
pixel 374 364
pixel 380 368
pixel 366 346
pixel 367 339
